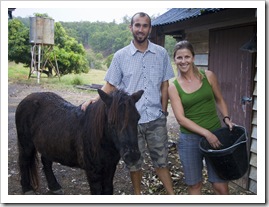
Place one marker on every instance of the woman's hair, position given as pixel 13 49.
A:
pixel 185 44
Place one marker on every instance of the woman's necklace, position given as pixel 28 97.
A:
pixel 188 80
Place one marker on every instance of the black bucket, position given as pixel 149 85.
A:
pixel 231 160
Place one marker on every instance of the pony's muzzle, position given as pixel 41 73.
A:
pixel 131 157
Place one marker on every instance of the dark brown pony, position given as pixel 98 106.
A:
pixel 93 140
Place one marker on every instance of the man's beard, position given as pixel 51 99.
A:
pixel 140 39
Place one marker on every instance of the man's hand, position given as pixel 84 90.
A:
pixel 87 103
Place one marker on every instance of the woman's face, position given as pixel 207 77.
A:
pixel 184 60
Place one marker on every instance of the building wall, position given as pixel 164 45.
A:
pixel 199 40
pixel 253 144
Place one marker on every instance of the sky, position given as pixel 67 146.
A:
pixel 107 11
pixel 92 11
pixel 87 14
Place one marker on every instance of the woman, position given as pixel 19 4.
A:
pixel 194 96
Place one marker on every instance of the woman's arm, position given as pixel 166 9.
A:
pixel 220 102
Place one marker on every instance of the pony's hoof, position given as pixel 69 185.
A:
pixel 57 192
pixel 30 192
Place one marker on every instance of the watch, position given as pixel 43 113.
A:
pixel 165 113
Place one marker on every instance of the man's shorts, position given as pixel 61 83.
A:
pixel 153 136
pixel 192 160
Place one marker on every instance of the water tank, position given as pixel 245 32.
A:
pixel 41 30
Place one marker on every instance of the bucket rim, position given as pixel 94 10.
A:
pixel 228 148
pixel 223 150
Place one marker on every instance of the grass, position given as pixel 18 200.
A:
pixel 18 73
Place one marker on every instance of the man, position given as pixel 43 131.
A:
pixel 144 65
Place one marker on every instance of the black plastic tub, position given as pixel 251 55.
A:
pixel 231 160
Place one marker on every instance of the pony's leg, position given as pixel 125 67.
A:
pixel 95 182
pixel 53 184
pixel 107 184
pixel 101 181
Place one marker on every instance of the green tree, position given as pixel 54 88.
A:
pixel 71 56
pixel 19 49
pixel 101 37
pixel 170 43
pixel 109 60
pixel 45 15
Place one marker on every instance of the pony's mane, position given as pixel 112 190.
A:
pixel 120 101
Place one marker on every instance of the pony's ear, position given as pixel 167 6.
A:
pixel 105 97
pixel 137 95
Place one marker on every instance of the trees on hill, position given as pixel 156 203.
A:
pixel 106 38
pixel 101 37
pixel 78 45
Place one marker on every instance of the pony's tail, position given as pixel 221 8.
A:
pixel 28 156
pixel 33 171
pixel 28 163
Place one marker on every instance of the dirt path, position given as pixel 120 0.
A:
pixel 73 180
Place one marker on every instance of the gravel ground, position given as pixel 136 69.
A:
pixel 73 180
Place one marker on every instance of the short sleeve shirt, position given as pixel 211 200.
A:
pixel 132 70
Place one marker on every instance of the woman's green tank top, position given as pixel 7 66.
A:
pixel 199 106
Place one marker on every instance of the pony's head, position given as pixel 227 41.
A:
pixel 122 119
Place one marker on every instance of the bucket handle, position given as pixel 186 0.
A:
pixel 234 145
pixel 238 142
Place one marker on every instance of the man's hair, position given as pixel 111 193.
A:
pixel 141 14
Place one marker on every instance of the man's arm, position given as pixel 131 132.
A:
pixel 164 95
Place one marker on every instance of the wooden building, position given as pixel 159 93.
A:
pixel 10 10
pixel 225 42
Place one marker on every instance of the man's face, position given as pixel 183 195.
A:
pixel 141 28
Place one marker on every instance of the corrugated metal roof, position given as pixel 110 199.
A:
pixel 180 14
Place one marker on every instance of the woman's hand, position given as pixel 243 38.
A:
pixel 213 140
pixel 228 123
